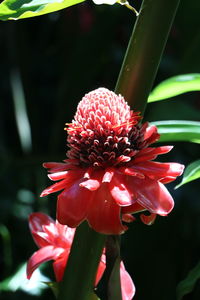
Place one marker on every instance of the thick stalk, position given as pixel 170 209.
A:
pixel 144 51
pixel 79 277
pixel 112 273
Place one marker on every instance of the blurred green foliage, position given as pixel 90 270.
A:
pixel 47 64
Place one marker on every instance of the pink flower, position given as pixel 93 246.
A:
pixel 109 173
pixel 54 241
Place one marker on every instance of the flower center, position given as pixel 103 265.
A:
pixel 104 132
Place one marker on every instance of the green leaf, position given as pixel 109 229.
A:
pixel 192 172
pixel 178 130
pixel 19 9
pixel 187 285
pixel 18 280
pixel 175 86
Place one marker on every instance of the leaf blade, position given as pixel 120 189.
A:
pixel 187 285
pixel 175 86
pixel 20 9
pixel 192 172
pixel 178 131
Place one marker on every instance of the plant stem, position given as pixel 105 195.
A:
pixel 79 277
pixel 112 273
pixel 144 51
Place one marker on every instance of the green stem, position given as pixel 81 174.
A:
pixel 144 51
pixel 79 277
pixel 112 273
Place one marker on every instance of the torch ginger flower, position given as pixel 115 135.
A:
pixel 54 241
pixel 109 173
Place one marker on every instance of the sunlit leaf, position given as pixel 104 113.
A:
pixel 187 285
pixel 20 111
pixel 18 280
pixel 19 9
pixel 191 173
pixel 175 86
pixel 178 130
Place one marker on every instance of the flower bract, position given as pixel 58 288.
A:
pixel 54 241
pixel 110 172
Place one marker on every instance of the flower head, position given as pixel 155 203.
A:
pixel 109 173
pixel 54 241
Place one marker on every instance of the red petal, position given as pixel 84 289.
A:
pixel 130 171
pixel 73 204
pixel 54 188
pixel 36 223
pixel 108 175
pixel 37 220
pixel 148 220
pixel 127 285
pixel 66 233
pixel 167 179
pixel 88 173
pixel 90 184
pixel 128 218
pixel 151 135
pixel 42 239
pixel 153 195
pixel 151 153
pixel 104 213
pixel 59 266
pixel 42 255
pixel 71 176
pixel 119 191
pixel 93 183
pixel 58 175
pixel 156 170
pixel 133 209
pixel 55 167
pixel 101 269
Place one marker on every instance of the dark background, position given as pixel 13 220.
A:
pixel 54 60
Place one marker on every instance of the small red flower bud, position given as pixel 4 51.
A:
pixel 54 241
